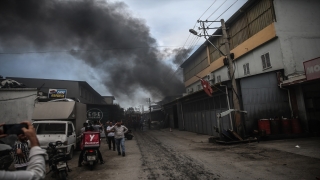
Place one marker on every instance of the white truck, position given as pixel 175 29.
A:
pixel 59 121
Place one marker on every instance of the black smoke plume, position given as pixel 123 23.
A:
pixel 102 34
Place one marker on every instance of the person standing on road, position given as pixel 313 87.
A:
pixel 110 136
pixel 141 124
pixel 106 130
pixel 119 131
pixel 21 152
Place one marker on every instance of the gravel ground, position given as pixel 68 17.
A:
pixel 161 154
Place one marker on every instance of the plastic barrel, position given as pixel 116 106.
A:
pixel 286 126
pixel 264 126
pixel 296 128
pixel 275 126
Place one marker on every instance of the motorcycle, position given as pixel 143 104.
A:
pixel 58 163
pixel 90 158
pixel 90 145
pixel 128 135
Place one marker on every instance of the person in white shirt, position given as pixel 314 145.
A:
pixel 119 131
pixel 110 136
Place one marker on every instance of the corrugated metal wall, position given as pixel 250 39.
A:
pixel 200 116
pixel 262 98
pixel 252 21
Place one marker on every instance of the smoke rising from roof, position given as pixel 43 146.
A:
pixel 102 34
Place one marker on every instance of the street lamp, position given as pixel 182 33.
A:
pixel 194 32
pixel 205 36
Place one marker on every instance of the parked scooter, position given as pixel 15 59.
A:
pixel 128 135
pixel 58 163
pixel 90 158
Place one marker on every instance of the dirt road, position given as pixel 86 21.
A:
pixel 161 154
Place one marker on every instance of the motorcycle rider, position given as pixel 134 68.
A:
pixel 88 129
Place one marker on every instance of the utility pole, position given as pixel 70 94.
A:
pixel 229 63
pixel 150 108
pixel 235 97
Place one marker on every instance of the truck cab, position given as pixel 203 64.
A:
pixel 52 131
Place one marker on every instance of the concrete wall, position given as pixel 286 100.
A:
pixel 17 104
pixel 297 26
pixel 255 62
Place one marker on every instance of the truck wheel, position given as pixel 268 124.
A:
pixel 70 155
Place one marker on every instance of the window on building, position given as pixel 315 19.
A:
pixel 199 87
pixel 212 79
pixel 218 78
pixel 266 61
pixel 246 69
pixel 80 91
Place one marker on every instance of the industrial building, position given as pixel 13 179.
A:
pixel 276 66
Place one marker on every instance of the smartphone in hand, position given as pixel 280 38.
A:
pixel 13 128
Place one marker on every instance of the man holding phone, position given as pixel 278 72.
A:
pixel 36 167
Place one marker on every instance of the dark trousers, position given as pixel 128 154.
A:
pixel 82 153
pixel 111 139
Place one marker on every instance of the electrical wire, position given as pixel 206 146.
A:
pixel 18 97
pixel 208 8
pixel 216 9
pixel 199 19
pixel 224 12
pixel 198 39
pixel 219 89
pixel 83 50
pixel 194 42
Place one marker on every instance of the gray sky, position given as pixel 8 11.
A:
pixel 39 45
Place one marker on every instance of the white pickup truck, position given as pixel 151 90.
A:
pixel 59 121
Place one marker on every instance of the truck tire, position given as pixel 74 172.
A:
pixel 70 155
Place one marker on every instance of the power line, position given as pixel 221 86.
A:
pixel 83 50
pixel 18 97
pixel 216 9
pixel 224 11
pixel 208 9
pixel 199 18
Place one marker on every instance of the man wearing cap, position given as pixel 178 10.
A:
pixel 119 131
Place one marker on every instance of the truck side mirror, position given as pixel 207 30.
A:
pixel 69 133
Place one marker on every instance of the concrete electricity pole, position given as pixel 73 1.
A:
pixel 236 104
pixel 149 108
pixel 235 97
